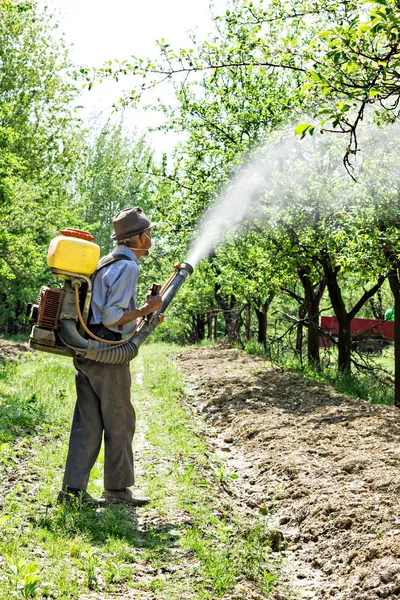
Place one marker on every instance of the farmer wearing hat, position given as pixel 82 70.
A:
pixel 103 391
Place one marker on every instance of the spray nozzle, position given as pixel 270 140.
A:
pixel 184 266
pixel 187 267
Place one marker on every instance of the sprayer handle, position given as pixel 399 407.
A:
pixel 155 290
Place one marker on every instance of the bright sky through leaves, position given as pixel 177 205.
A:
pixel 99 30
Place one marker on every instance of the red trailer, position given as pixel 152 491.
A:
pixel 368 335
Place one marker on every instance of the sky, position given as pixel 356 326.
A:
pixel 100 30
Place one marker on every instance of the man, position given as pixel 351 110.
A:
pixel 103 391
pixel 389 314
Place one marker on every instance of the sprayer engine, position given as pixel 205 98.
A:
pixel 60 316
pixel 46 317
pixel 49 307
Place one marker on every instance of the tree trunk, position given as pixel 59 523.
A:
pixel 248 322
pixel 343 317
pixel 209 325
pixel 228 307
pixel 201 327
pixel 193 324
pixel 313 335
pixel 344 344
pixel 344 337
pixel 312 298
pixel 229 324
pixel 299 335
pixel 394 283
pixel 262 326
pixel 11 326
pixel 377 307
pixel 397 348
pixel 261 309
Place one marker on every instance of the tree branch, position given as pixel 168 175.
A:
pixel 366 296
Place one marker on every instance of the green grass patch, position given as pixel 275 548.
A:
pixel 373 387
pixel 255 348
pixel 191 541
pixel 226 547
pixel 357 385
pixel 46 549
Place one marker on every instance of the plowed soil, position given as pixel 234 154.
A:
pixel 325 467
pixel 11 350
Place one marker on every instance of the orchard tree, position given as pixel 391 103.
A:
pixel 321 225
pixel 39 150
pixel 251 269
pixel 344 54
pixel 379 183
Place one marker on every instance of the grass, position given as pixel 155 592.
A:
pixel 189 543
pixel 365 386
pixel 227 547
pixel 17 337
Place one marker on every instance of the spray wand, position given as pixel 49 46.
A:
pixel 168 292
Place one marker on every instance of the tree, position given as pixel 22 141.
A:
pixel 39 146
pixel 316 215
pixel 345 55
pixel 118 172
pixel 223 118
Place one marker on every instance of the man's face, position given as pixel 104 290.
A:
pixel 147 243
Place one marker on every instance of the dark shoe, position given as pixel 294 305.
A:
pixel 124 497
pixel 78 497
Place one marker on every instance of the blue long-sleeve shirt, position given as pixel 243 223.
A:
pixel 114 291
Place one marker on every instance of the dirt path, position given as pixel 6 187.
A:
pixel 325 467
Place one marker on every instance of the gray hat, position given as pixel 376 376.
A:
pixel 129 222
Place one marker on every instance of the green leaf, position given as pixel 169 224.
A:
pixel 326 33
pixel 4 518
pixel 302 128
pixel 306 87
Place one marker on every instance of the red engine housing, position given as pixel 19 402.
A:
pixel 49 307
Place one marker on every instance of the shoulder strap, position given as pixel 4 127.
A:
pixel 109 260
pixel 105 262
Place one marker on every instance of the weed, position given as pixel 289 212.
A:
pixel 19 416
pixel 255 348
pixel 24 577
pixel 222 474
pixel 116 572
pixel 157 585
pixel 89 561
pixel 7 457
pixel 268 582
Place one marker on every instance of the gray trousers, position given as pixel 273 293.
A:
pixel 103 405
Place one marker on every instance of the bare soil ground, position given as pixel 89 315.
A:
pixel 11 350
pixel 325 467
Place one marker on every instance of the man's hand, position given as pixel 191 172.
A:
pixel 160 319
pixel 153 303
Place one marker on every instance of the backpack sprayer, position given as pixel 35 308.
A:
pixel 61 314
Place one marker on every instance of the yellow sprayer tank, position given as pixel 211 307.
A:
pixel 73 251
